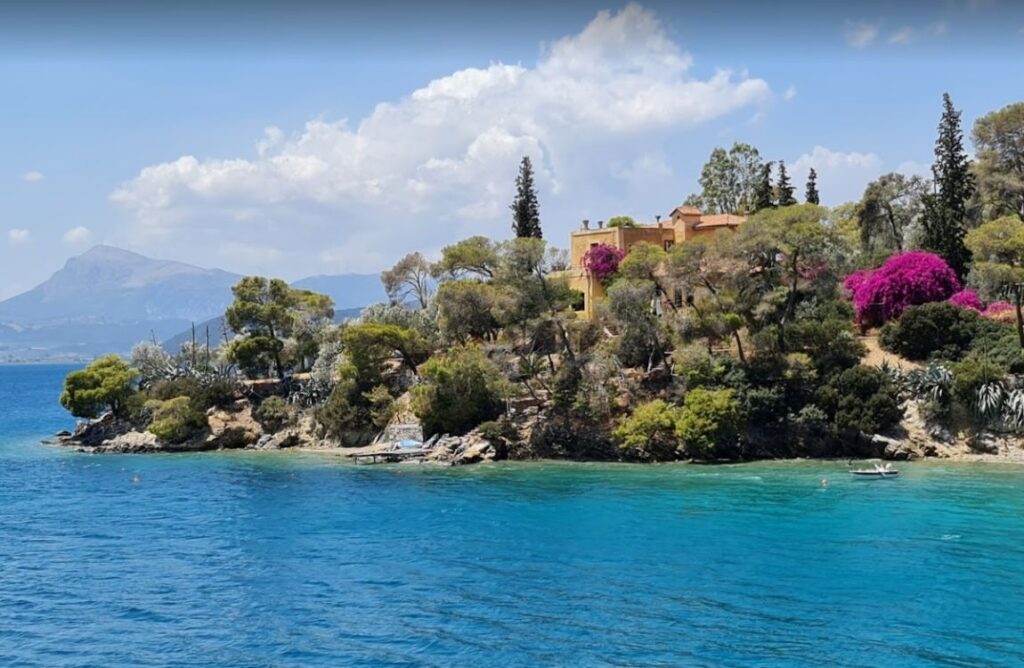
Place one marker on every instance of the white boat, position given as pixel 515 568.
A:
pixel 878 471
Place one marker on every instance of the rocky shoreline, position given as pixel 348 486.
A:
pixel 235 427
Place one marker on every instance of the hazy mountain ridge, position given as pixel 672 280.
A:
pixel 108 299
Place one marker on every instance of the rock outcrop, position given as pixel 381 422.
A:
pixel 233 427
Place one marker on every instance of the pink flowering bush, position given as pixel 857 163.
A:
pixel 968 299
pixel 853 282
pixel 904 280
pixel 1000 312
pixel 602 261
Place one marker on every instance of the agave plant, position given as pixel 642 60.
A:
pixel 1013 409
pixel 934 383
pixel 988 401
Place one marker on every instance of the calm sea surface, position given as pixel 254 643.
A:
pixel 285 560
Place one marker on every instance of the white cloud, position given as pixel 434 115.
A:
pixel 32 176
pixel 790 93
pixel 860 34
pixel 18 235
pixel 938 29
pixel 841 176
pixel 902 36
pixel 914 168
pixel 442 160
pixel 77 235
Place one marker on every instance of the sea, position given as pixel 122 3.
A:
pixel 287 559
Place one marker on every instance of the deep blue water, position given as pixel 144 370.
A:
pixel 287 560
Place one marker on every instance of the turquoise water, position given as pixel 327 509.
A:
pixel 286 560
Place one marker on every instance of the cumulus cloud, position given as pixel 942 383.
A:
pixel 841 176
pixel 77 235
pixel 442 159
pixel 790 93
pixel 860 34
pixel 18 235
pixel 32 176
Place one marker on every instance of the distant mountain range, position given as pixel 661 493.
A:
pixel 108 299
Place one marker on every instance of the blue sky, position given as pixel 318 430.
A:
pixel 322 138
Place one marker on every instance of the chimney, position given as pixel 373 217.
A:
pixel 600 224
pixel 586 224
pixel 657 219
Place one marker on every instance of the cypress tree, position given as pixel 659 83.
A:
pixel 763 198
pixel 945 211
pixel 811 196
pixel 525 210
pixel 784 188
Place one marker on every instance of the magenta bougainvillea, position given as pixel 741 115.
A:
pixel 853 282
pixel 904 280
pixel 1001 311
pixel 968 299
pixel 602 261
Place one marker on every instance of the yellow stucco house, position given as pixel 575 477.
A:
pixel 684 223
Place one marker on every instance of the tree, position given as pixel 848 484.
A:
pixel 408 279
pixel 646 262
pixel 461 389
pixel 525 209
pixel 621 221
pixel 106 384
pixel 709 422
pixel 465 310
pixel 890 206
pixel 945 211
pixel 475 255
pixel 784 247
pixel 811 195
pixel 764 197
pixel 729 180
pixel 999 141
pixel 998 247
pixel 631 304
pixel 264 313
pixel 862 400
pixel 783 188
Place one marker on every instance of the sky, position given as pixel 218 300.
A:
pixel 301 138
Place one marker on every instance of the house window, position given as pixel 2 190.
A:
pixel 594 245
pixel 669 243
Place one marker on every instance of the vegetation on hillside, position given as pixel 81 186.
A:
pixel 739 346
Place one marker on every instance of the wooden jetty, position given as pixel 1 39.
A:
pixel 383 456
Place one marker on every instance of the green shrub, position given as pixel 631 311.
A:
pixel 106 384
pixel 203 393
pixel 706 425
pixel 709 422
pixel 938 330
pixel 345 415
pixel 175 420
pixel 273 413
pixel 650 431
pixel 382 406
pixel 861 399
pixel 979 384
pixel 459 390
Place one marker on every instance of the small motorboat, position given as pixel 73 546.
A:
pixel 878 471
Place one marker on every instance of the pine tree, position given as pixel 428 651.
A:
pixel 811 196
pixel 945 211
pixel 763 197
pixel 784 188
pixel 525 210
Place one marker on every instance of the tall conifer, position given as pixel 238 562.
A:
pixel 784 189
pixel 525 209
pixel 763 196
pixel 945 211
pixel 811 196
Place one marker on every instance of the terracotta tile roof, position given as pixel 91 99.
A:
pixel 720 220
pixel 686 210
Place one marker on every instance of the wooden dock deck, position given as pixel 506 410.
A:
pixel 383 456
